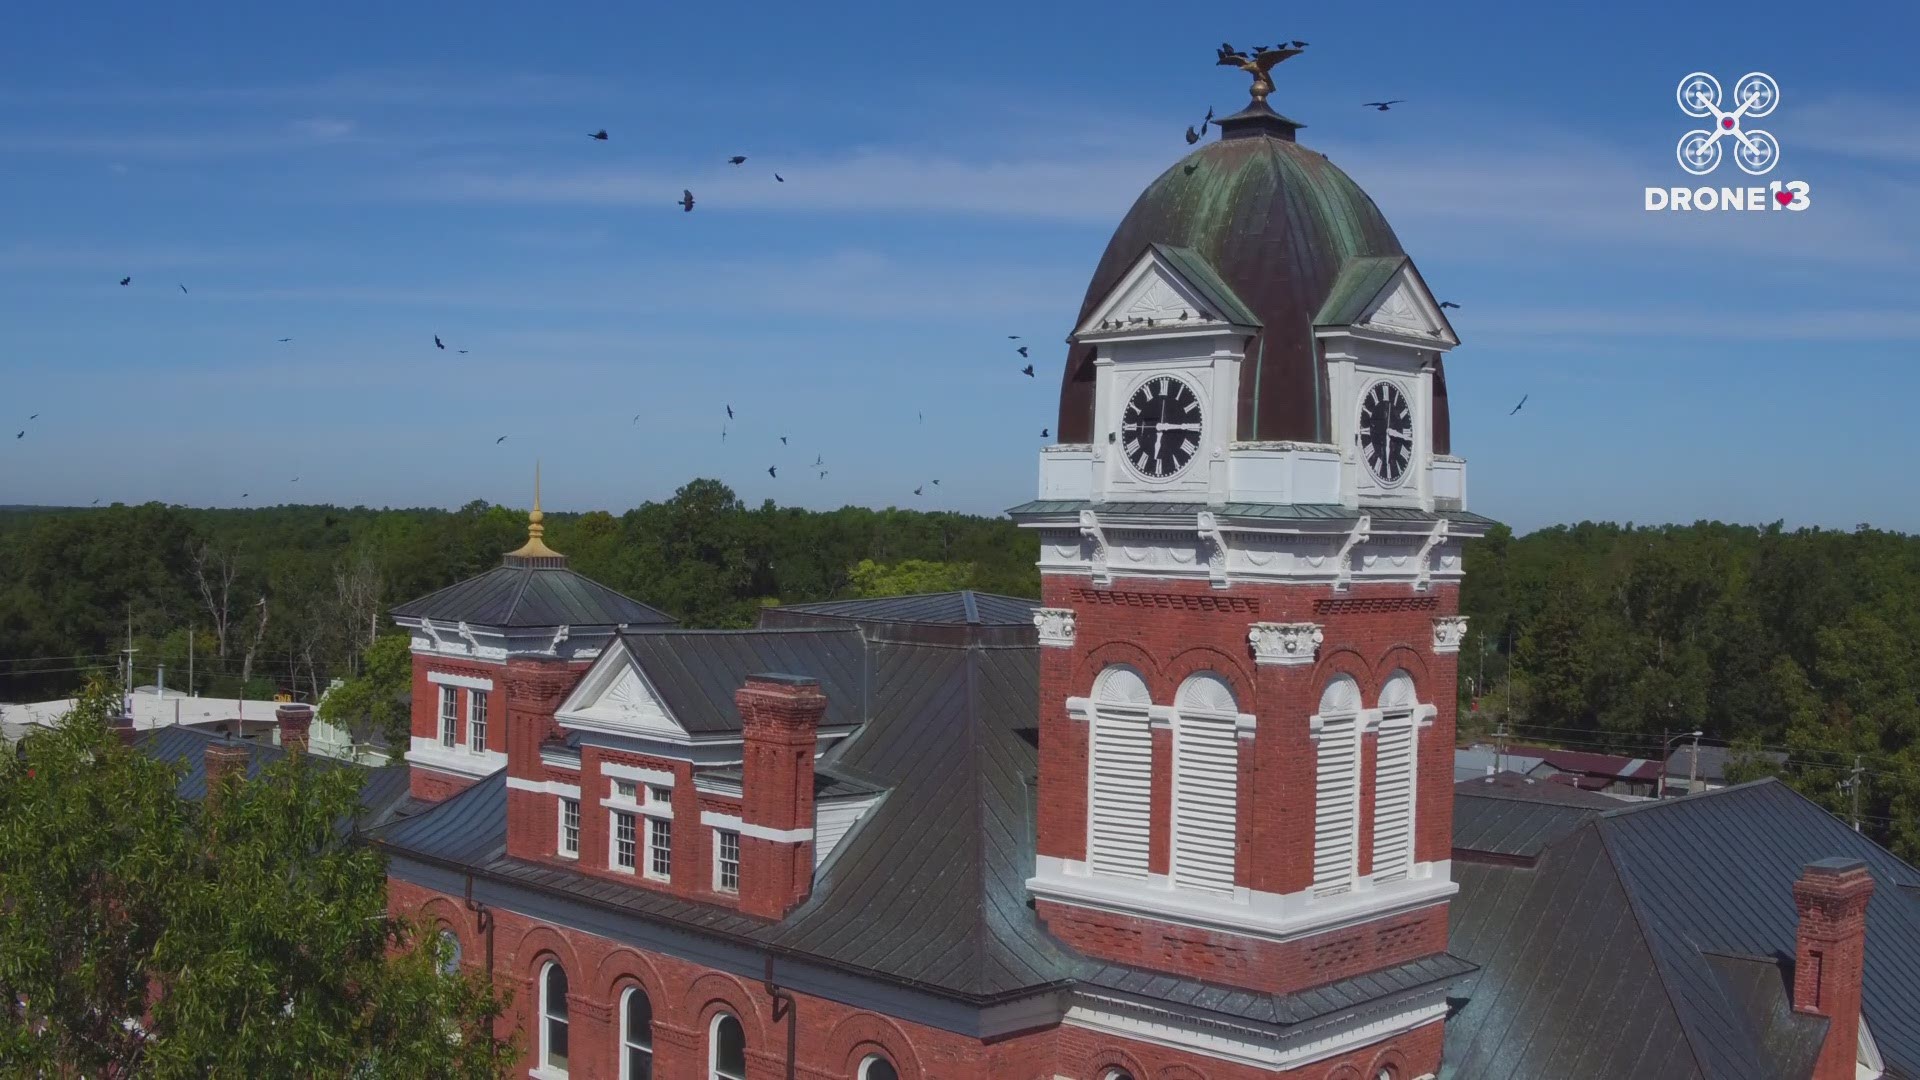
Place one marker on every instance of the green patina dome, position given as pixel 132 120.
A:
pixel 1277 221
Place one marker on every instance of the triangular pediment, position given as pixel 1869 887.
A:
pixel 615 696
pixel 1167 289
pixel 1387 296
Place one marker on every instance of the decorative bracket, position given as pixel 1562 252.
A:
pixel 433 632
pixel 466 635
pixel 1448 631
pixel 1055 626
pixel 1210 534
pixel 559 635
pixel 1286 644
pixel 1343 562
pixel 1425 564
pixel 1091 531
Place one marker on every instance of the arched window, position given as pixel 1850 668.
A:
pixel 1206 779
pixel 1121 776
pixel 1116 1074
pixel 875 1067
pixel 727 1057
pixel 553 1018
pixel 1336 788
pixel 636 1035
pixel 1395 770
pixel 449 952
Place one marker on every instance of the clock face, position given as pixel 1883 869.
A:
pixel 1160 429
pixel 1386 432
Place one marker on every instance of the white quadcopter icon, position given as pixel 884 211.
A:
pixel 1757 151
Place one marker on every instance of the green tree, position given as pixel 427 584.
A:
pixel 143 934
pixel 909 577
pixel 374 700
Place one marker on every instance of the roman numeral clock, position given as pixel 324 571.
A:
pixel 1386 432
pixel 1160 427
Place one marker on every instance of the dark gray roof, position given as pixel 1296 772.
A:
pixel 470 827
pixel 384 791
pixel 1638 983
pixel 1249 511
pixel 947 608
pixel 827 784
pixel 1498 820
pixel 697 671
pixel 1276 1008
pixel 1712 765
pixel 527 597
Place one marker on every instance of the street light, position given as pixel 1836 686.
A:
pixel 1693 762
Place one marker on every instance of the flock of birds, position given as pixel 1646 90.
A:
pixel 1264 57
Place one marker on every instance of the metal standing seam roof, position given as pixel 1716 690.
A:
pixel 1678 904
pixel 1203 277
pixel 1282 1009
pixel 696 672
pixel 524 597
pixel 1360 280
pixel 965 607
pixel 1511 828
pixel 384 791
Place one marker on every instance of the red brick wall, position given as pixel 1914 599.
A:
pixel 1258 964
pixel 832 1038
pixel 1168 630
pixel 425 718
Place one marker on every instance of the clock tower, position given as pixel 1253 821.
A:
pixel 1250 536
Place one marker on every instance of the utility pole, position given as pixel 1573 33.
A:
pixel 127 701
pixel 1854 783
pixel 1661 793
pixel 1693 764
pixel 1500 747
pixel 190 636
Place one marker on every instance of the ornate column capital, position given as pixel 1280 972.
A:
pixel 1447 632
pixel 1055 626
pixel 1285 643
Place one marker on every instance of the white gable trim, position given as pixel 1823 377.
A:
pixel 1153 289
pixel 1403 310
pixel 616 697
pixel 543 787
pixel 732 823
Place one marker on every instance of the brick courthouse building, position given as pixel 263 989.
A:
pixel 1187 818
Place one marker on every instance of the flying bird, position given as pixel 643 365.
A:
pixel 499 440
pixel 636 418
pixel 819 460
pixel 243 494
pixel 283 340
pixel 1382 106
pixel 1192 135
pixel 936 483
pixel 773 471
pixel 1448 304
pixel 35 416
pixel 916 491
pixel 437 343
pixel 1298 44
pixel 729 412
pixel 600 135
pixel 686 200
pixel 95 502
pixel 823 474
pixel 1027 371
pixel 295 480
pixel 783 440
pixel 737 159
pixel 780 178
pixel 22 435
pixel 1022 350
pixel 463 352
pixel 1523 401
pixel 1046 433
pixel 1013 337
pixel 183 290
pixel 126 281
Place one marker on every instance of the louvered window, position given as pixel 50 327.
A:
pixel 1393 781
pixel 1206 774
pixel 1336 781
pixel 1118 806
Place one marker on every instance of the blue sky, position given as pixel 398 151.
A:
pixel 361 178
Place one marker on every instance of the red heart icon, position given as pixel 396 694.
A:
pixel 1785 197
pixel 1727 122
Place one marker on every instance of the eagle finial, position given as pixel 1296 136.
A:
pixel 1258 62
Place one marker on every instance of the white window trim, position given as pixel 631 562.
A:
pixel 626 1036
pixel 544 787
pixel 867 1063
pixel 469 682
pixel 428 753
pixel 474 699
pixel 542 1069
pixel 560 836
pixel 659 810
pixel 617 771
pixel 713 1043
pixel 732 823
pixel 613 842
pixel 647 848
pixel 450 734
pixel 717 887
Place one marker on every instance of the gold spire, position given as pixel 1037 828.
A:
pixel 535 547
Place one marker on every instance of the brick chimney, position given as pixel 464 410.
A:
pixel 226 761
pixel 1829 956
pixel 780 721
pixel 295 721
